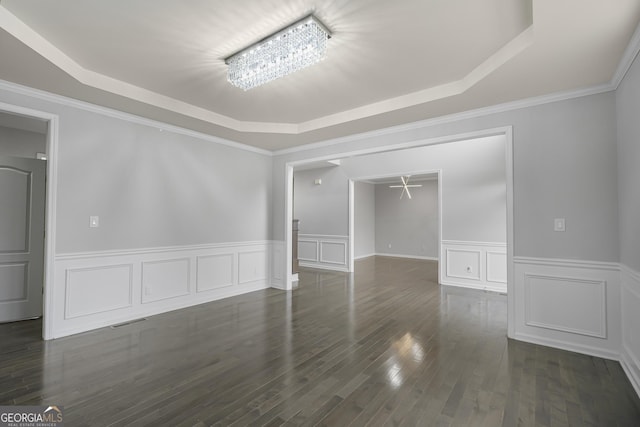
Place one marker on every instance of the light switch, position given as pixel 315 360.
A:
pixel 94 221
pixel 558 224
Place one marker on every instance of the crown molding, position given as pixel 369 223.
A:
pixel 470 114
pixel 116 114
pixel 629 55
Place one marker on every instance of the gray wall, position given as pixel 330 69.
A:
pixel 322 209
pixel 151 188
pixel 21 143
pixel 565 163
pixel 407 226
pixel 628 107
pixel 364 219
pixel 473 186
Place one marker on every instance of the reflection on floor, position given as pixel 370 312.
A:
pixel 383 346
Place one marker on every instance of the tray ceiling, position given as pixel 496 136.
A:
pixel 388 63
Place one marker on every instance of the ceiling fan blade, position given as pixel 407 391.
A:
pixel 413 185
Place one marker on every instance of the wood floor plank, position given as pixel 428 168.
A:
pixel 385 346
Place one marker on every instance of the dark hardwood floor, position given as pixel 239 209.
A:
pixel 384 346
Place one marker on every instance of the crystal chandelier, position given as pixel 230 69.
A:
pixel 293 48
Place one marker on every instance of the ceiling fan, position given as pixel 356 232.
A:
pixel 405 186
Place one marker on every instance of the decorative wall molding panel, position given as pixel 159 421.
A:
pixel 214 271
pixel 478 265
pixel 326 252
pixel 630 353
pixel 547 299
pixel 277 254
pixel 97 289
pixel 573 305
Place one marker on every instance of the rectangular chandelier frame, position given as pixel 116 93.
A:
pixel 293 48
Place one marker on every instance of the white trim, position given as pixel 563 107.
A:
pixel 571 263
pixel 569 346
pixel 478 269
pixel 69 272
pixel 506 131
pixel 473 243
pixel 116 114
pixel 319 260
pixel 48 325
pixel 630 54
pixel 634 378
pixel 182 260
pixel 484 288
pixel 156 250
pixel 455 117
pixel 359 257
pixel 339 268
pixel 602 333
pixel 426 258
pixel 352 229
pixel 552 328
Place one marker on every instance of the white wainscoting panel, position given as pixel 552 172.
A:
pixel 463 264
pixel 252 266
pixel 568 304
pixel 165 279
pixel 478 265
pixel 308 250
pixel 547 299
pixel 97 289
pixel 630 313
pixel 214 271
pixel 333 252
pixel 496 267
pixel 278 250
pixel 323 251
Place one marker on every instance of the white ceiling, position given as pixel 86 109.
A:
pixel 389 62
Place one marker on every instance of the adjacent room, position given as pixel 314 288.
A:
pixel 320 212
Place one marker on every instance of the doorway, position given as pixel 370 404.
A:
pixel 42 199
pixel 504 133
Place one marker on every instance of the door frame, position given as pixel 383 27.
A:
pixel 506 131
pixel 50 209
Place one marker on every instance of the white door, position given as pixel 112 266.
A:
pixel 22 204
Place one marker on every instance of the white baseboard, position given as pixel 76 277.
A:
pixel 569 346
pixel 427 258
pixel 98 289
pixel 501 289
pixel 321 266
pixel 364 256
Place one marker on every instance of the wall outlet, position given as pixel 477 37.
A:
pixel 94 221
pixel 558 224
pixel 469 269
